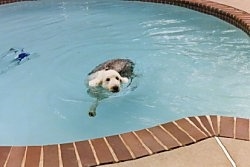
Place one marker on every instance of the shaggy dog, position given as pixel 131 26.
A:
pixel 110 80
pixel 108 76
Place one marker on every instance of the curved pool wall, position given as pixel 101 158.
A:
pixel 141 143
pixel 237 17
pixel 127 146
pixel 229 14
pixel 11 1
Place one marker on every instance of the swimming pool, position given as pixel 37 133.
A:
pixel 186 66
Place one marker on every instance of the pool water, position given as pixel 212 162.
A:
pixel 187 63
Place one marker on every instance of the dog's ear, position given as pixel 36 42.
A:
pixel 95 82
pixel 96 79
pixel 124 79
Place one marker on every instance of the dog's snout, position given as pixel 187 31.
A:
pixel 115 89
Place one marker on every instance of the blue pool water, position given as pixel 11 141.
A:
pixel 188 64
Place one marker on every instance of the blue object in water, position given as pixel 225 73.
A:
pixel 22 56
pixel 12 58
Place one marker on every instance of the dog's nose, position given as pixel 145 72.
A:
pixel 115 89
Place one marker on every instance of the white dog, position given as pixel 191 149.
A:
pixel 110 80
pixel 110 76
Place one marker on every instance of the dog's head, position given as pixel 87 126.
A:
pixel 108 79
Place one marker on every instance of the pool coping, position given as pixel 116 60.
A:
pixel 232 15
pixel 142 143
pixel 12 1
pixel 127 146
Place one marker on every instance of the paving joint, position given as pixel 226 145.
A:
pixel 224 149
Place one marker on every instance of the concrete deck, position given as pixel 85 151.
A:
pixel 239 4
pixel 192 141
pixel 207 153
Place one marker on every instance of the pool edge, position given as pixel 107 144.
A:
pixel 128 146
pixel 2 2
pixel 232 15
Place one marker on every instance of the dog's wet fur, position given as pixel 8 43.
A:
pixel 125 68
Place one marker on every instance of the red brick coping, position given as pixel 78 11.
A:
pixel 237 17
pixel 127 146
pixel 141 143
pixel 11 1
